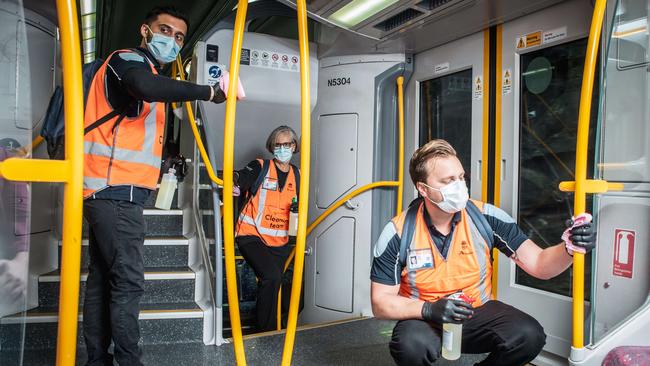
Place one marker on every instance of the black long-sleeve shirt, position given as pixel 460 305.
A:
pixel 130 82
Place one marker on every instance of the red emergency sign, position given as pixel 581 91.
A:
pixel 623 252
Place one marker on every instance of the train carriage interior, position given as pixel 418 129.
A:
pixel 532 94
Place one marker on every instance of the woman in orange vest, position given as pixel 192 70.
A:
pixel 271 186
pixel 441 247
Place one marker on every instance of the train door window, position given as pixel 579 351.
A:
pixel 446 113
pixel 551 80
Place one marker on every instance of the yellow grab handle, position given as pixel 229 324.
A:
pixel 400 162
pixel 582 147
pixel 228 162
pixel 305 145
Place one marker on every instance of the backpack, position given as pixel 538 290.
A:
pixel 408 229
pixel 245 197
pixel 54 122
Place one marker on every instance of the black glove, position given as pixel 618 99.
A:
pixel 447 311
pixel 218 96
pixel 584 236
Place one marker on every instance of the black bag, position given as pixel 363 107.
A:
pixel 54 123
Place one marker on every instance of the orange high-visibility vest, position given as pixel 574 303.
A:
pixel 130 153
pixel 266 215
pixel 468 267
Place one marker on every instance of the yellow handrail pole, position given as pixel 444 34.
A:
pixel 400 162
pixel 195 131
pixel 228 162
pixel 582 146
pixel 305 146
pixel 322 217
pixel 73 191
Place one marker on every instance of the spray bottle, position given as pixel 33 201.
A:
pixel 452 334
pixel 167 189
pixel 293 217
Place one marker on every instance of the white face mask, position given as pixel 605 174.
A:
pixel 454 196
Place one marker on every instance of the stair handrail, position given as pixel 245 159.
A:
pixel 69 172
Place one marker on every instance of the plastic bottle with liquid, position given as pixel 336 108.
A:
pixel 452 334
pixel 167 189
pixel 293 217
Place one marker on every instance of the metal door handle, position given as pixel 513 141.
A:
pixel 308 251
pixel 351 205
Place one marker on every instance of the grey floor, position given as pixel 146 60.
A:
pixel 362 342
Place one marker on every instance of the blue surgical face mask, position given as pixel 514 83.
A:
pixel 283 154
pixel 163 48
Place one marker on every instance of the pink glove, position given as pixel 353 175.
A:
pixel 583 218
pixel 236 191
pixel 225 80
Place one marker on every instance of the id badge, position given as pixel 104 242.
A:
pixel 270 184
pixel 419 259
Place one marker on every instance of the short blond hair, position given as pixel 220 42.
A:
pixel 438 148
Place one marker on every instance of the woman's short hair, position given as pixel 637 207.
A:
pixel 433 149
pixel 270 142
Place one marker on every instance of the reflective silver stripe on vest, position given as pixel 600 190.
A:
pixel 94 183
pixel 480 245
pixel 144 156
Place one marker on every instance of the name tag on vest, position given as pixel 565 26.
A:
pixel 419 259
pixel 270 184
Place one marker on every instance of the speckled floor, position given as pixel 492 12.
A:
pixel 362 342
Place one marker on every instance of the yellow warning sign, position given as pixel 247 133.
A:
pixel 529 40
pixel 478 87
pixel 507 82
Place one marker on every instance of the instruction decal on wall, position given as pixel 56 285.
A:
pixel 274 60
pixel 478 87
pixel 554 35
pixel 506 86
pixel 440 68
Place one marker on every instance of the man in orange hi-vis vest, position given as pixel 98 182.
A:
pixel 441 246
pixel 122 159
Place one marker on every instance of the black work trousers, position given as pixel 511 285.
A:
pixel 115 281
pixel 510 336
pixel 268 264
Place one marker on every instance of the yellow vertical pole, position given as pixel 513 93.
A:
pixel 228 162
pixel 497 149
pixel 305 145
pixel 400 162
pixel 582 146
pixel 73 191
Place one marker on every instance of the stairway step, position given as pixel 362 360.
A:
pixel 159 324
pixel 161 285
pixel 168 223
pixel 246 283
pixel 158 252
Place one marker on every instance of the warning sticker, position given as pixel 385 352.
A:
pixel 478 87
pixel 529 40
pixel 554 35
pixel 506 86
pixel 624 241
pixel 274 60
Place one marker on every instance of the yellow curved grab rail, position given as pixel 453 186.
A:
pixel 178 66
pixel 68 171
pixel 228 162
pixel 582 185
pixel 400 162
pixel 305 145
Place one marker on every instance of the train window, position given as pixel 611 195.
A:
pixel 446 113
pixel 631 32
pixel 551 80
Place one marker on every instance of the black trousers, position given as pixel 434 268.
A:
pixel 511 336
pixel 115 281
pixel 268 264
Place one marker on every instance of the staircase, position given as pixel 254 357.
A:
pixel 169 313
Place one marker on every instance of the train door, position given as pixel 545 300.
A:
pixel 450 89
pixel 542 65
